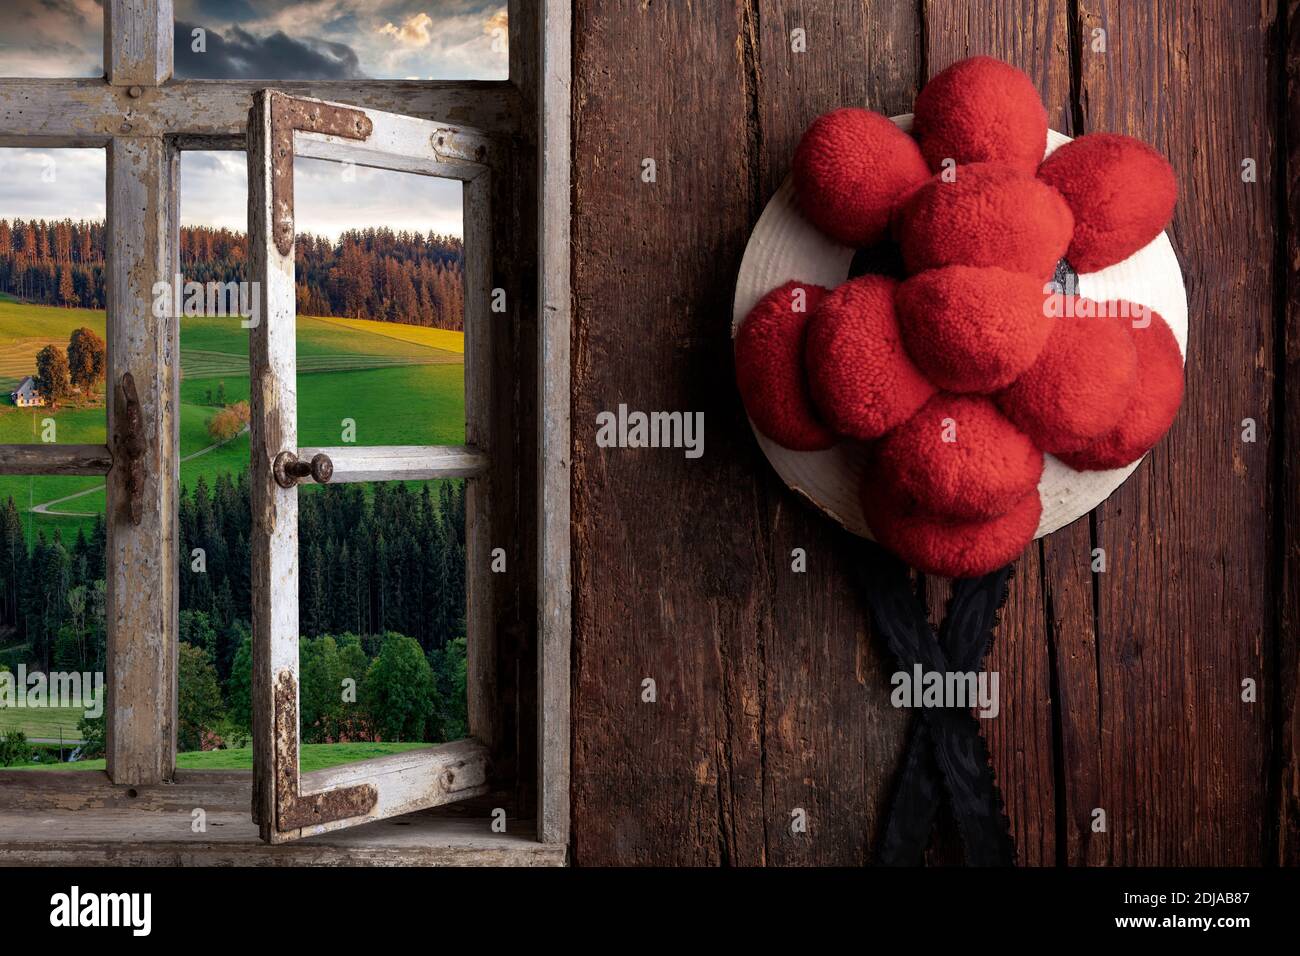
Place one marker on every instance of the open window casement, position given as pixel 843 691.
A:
pixel 287 803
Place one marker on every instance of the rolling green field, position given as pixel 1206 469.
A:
pixel 42 723
pixel 310 757
pixel 400 384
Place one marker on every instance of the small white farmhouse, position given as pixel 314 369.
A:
pixel 25 394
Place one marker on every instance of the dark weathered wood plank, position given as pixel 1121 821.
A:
pixel 829 740
pixel 1288 490
pixel 667 565
pixel 682 568
pixel 1186 609
pixel 1034 36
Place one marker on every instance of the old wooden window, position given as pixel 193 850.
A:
pixel 507 141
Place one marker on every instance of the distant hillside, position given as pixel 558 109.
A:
pixel 411 278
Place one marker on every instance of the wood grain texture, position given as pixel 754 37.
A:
pixel 554 587
pixel 1288 724
pixel 1121 691
pixel 273 427
pixel 1186 608
pixel 829 740
pixel 82 819
pixel 771 694
pixel 212 114
pixel 143 576
pixel 667 551
pixel 400 462
pixel 137 42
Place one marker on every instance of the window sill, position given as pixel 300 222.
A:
pixel 79 818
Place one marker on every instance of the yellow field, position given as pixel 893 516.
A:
pixel 211 348
pixel 443 339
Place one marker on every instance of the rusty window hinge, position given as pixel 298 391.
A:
pixel 129 445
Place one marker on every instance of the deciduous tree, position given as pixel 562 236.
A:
pixel 52 378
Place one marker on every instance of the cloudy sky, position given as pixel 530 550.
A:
pixel 257 39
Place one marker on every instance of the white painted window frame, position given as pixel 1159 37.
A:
pixel 143 118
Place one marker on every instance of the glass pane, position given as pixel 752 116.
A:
pixel 381 362
pixel 383 39
pixel 382 618
pixel 215 663
pixel 380 307
pixel 52 357
pixel 41 38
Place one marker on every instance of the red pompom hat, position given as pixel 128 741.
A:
pixel 964 375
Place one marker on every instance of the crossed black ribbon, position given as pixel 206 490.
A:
pixel 946 752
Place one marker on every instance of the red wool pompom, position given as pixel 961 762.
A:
pixel 981 110
pixel 863 383
pixel 1156 397
pixel 850 168
pixel 959 457
pixel 1121 192
pixel 989 215
pixel 1082 382
pixel 769 368
pixel 972 329
pixel 947 546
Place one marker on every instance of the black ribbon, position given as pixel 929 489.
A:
pixel 946 753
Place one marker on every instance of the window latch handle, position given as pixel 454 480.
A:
pixel 289 469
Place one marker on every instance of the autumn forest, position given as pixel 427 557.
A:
pixel 373 273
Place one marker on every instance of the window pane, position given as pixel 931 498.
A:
pixel 380 307
pixel 382 616
pixel 215 516
pixel 63 39
pixel 52 392
pixel 384 39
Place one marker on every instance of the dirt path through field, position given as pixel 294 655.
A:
pixel 44 509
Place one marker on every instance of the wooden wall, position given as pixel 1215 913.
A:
pixel 1121 690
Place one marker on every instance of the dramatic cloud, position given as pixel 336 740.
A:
pixel 52 38
pixel 275 39
pixel 401 39
pixel 203 53
pixel 414 32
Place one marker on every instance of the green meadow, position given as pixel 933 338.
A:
pixel 310 757
pixel 398 384
pixel 43 723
